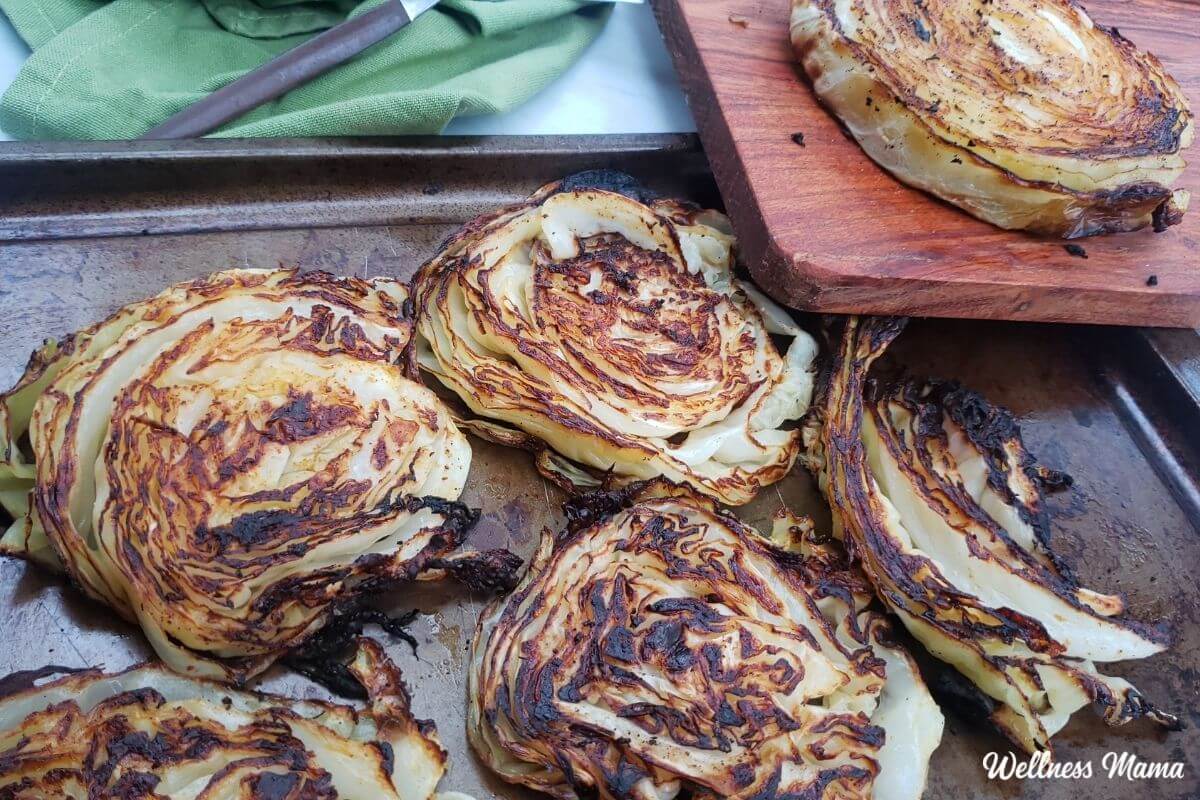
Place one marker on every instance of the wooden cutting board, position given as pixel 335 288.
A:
pixel 824 229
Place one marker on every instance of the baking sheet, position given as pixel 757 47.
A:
pixel 1115 408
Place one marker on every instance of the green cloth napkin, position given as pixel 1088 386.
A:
pixel 113 70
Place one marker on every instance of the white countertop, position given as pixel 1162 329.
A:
pixel 624 83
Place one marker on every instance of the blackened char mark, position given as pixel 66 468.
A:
pixel 990 428
pixel 622 780
pixel 882 331
pixel 663 636
pixel 610 180
pixel 666 636
pixel 128 743
pixel 659 720
pixel 253 529
pixel 457 518
pixel 495 571
pixel 592 508
pixel 534 708
pixel 618 645
pixel 386 754
pixel 275 786
pixel 863 731
pixel 661 533
pixel 1142 707
pixel 729 718
pixel 271 525
pixel 599 505
pixel 134 785
pixel 1135 197
pixel 299 419
pixel 816 789
pixel 695 613
pixel 583 788
pixel 26 679
pixel 1051 480
pixel 920 29
pixel 322 658
pixel 1166 214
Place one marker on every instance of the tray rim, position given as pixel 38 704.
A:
pixel 49 153
pixel 99 189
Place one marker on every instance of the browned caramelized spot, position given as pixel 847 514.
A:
pixel 1079 112
pixel 613 332
pixel 299 419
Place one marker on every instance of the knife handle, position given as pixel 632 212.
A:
pixel 283 73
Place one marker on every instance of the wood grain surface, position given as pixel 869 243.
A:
pixel 823 228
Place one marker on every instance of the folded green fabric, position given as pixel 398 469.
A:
pixel 113 70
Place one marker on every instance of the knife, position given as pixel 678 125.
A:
pixel 288 70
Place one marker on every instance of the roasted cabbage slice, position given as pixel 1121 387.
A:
pixel 1025 113
pixel 659 646
pixel 934 493
pixel 149 732
pixel 223 462
pixel 610 336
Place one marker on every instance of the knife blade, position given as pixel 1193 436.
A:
pixel 288 70
pixel 297 66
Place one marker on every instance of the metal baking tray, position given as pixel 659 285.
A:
pixel 83 231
